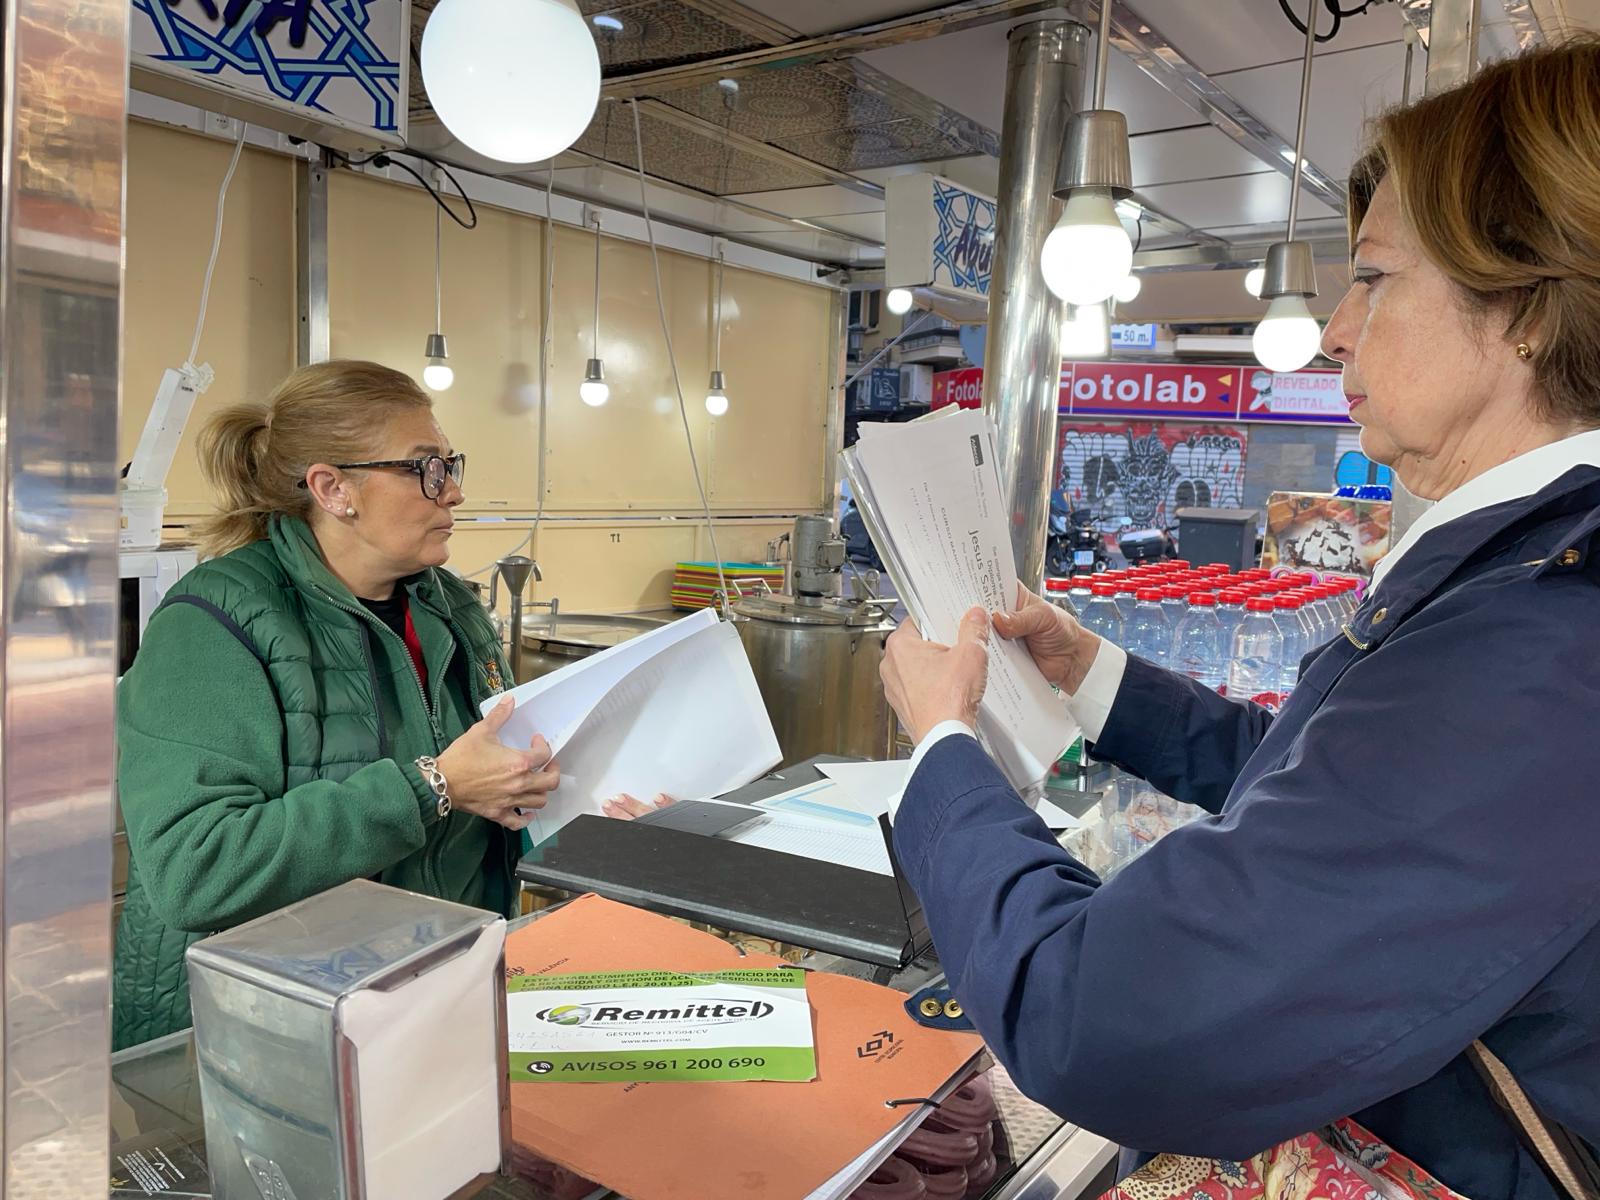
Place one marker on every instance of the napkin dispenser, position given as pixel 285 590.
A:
pixel 352 1047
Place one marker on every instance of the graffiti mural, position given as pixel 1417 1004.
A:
pixel 1140 474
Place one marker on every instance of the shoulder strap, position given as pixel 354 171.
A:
pixel 1569 1163
pixel 222 619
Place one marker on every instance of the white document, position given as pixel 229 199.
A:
pixel 933 491
pixel 845 842
pixel 678 713
pixel 1056 817
pixel 868 787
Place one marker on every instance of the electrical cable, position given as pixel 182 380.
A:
pixel 672 358
pixel 385 158
pixel 216 247
pixel 1338 14
pixel 544 362
pixel 891 344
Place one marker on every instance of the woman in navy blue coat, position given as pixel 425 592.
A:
pixel 1407 858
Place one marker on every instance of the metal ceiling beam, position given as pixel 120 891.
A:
pixel 1158 58
pixel 1532 22
pixel 1230 257
pixel 763 150
pixel 950 18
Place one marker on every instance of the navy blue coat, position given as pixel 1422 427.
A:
pixel 1407 858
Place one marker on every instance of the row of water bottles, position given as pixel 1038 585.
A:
pixel 1241 634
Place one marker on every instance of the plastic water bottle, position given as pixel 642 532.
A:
pixel 1149 633
pixel 1257 667
pixel 1127 598
pixel 1197 648
pixel 1101 616
pixel 1230 615
pixel 1296 636
pixel 1175 603
pixel 1080 593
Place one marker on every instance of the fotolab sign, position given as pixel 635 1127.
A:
pixel 1175 392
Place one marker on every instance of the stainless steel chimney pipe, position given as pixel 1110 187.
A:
pixel 1045 75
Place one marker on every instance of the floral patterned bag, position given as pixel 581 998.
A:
pixel 1341 1162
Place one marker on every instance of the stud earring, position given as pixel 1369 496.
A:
pixel 349 512
pixel 1524 351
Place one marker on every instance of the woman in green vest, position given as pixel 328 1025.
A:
pixel 304 708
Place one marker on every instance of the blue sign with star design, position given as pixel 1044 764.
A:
pixel 342 63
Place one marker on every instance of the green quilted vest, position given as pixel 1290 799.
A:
pixel 348 697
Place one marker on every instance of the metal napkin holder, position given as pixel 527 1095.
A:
pixel 278 1076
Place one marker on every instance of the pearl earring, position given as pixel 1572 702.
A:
pixel 349 512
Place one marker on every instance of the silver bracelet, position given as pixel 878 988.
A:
pixel 435 778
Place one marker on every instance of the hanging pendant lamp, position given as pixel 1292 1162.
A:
pixel 1288 336
pixel 594 390
pixel 437 374
pixel 1089 253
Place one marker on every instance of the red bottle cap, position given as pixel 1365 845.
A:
pixel 1214 569
pixel 1057 585
pixel 1202 599
pixel 1287 600
pixel 1231 596
pixel 1256 573
pixel 1149 594
pixel 1183 564
pixel 1104 589
pixel 1174 591
pixel 1260 604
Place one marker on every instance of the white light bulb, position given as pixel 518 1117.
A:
pixel 438 375
pixel 1288 335
pixel 717 402
pixel 898 301
pixel 1128 289
pixel 514 80
pixel 1088 252
pixel 1254 280
pixel 594 392
pixel 1086 333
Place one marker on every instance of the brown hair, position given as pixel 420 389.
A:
pixel 1500 180
pixel 256 455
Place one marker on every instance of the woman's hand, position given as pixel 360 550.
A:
pixel 928 684
pixel 1062 649
pixel 626 808
pixel 493 780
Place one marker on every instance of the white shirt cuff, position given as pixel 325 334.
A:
pixel 1090 705
pixel 938 733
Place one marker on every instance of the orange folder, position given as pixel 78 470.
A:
pixel 710 1141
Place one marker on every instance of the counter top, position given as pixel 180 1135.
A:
pixel 157 1124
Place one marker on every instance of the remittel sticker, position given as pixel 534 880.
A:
pixel 660 1025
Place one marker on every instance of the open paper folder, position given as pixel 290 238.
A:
pixel 929 493
pixel 729 1141
pixel 676 710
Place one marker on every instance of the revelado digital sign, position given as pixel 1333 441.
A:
pixel 598 1014
pixel 1135 390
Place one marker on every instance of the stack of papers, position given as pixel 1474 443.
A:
pixel 929 492
pixel 695 584
pixel 676 710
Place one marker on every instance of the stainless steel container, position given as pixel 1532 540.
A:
pixel 816 662
pixel 548 645
pixel 352 1047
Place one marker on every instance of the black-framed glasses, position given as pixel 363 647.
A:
pixel 431 472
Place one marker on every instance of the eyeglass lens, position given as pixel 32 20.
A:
pixel 436 469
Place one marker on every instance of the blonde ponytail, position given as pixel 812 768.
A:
pixel 256 455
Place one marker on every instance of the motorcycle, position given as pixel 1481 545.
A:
pixel 1075 545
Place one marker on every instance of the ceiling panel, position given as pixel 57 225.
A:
pixel 1273 230
pixel 1346 88
pixel 1230 35
pixel 699 160
pixel 966 71
pixel 813 17
pixel 1239 200
pixel 786 103
pixel 1203 152
pixel 888 143
pixel 814 201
